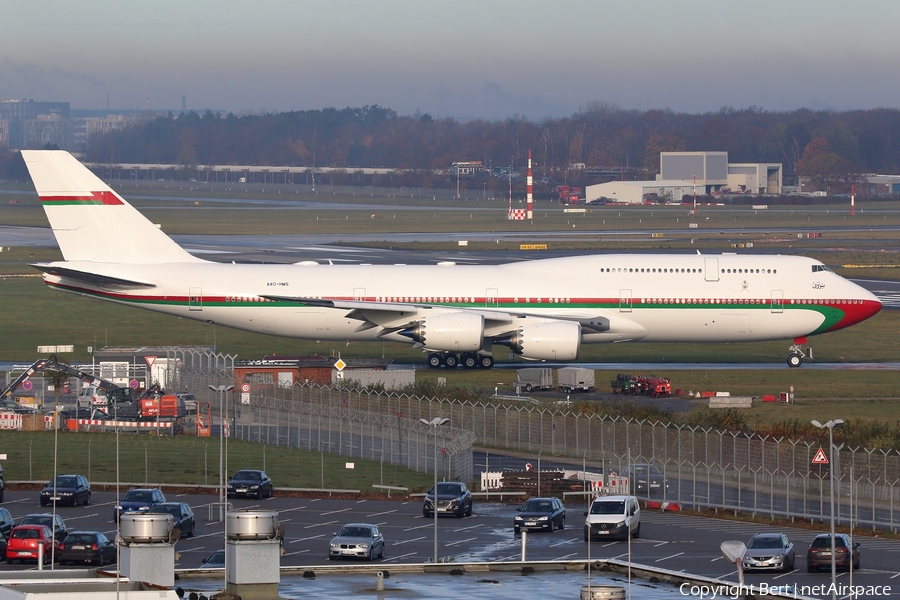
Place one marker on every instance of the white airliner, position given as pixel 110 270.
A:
pixel 541 309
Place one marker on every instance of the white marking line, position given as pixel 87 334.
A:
pixel 292 509
pixel 361 501
pixel 419 527
pixel 467 528
pixel 70 519
pixel 660 544
pixel 387 512
pixel 396 558
pixel 312 537
pixel 894 576
pixel 460 542
pixel 334 512
pixel 315 500
pixel 715 559
pixel 668 557
pixel 791 572
pixel 297 552
pixel 566 556
pixel 560 543
pixel 319 524
pixel 407 541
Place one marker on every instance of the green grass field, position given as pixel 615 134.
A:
pixel 35 315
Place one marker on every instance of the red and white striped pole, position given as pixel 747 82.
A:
pixel 528 183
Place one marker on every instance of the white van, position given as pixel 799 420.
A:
pixel 612 517
pixel 92 397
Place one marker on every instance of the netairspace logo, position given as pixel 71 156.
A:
pixel 711 592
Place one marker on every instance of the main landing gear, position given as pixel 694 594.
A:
pixel 796 356
pixel 468 360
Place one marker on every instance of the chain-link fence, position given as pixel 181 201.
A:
pixel 704 468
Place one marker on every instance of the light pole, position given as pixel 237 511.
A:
pixel 434 424
pixel 830 425
pixel 223 496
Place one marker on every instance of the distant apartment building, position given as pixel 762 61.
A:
pixel 4 133
pixel 33 124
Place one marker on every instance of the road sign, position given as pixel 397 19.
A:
pixel 245 388
pixel 26 385
pixel 820 458
pixel 340 364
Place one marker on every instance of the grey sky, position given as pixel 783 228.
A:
pixel 466 59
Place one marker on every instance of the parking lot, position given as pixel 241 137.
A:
pixel 668 540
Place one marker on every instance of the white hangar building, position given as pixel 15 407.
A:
pixel 680 172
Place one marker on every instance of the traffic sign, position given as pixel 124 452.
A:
pixel 245 388
pixel 340 364
pixel 820 458
pixel 27 385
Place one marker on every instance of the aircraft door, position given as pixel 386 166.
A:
pixel 491 296
pixel 777 301
pixel 195 299
pixel 625 301
pixel 711 268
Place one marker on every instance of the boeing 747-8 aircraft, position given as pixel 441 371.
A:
pixel 540 309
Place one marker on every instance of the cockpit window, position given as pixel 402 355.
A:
pixel 820 268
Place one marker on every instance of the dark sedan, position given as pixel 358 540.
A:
pixel 138 500
pixel 89 547
pixel 845 553
pixel 182 513
pixel 67 489
pixel 13 406
pixel 544 514
pixel 453 498
pixel 250 483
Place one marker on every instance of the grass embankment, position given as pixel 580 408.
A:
pixel 190 461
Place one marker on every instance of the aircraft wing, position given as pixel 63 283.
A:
pixel 94 279
pixel 391 316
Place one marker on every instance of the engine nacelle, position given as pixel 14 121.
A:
pixel 453 332
pixel 547 340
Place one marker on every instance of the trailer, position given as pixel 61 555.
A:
pixel 534 379
pixel 575 379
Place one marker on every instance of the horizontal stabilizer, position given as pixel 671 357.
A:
pixel 94 279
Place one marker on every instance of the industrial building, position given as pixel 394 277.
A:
pixel 686 173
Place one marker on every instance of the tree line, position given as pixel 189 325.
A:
pixel 833 148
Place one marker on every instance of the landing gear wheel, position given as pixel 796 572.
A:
pixel 485 361
pixel 450 361
pixel 434 360
pixel 795 360
pixel 469 361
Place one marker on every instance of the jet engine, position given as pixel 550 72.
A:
pixel 453 332
pixel 546 340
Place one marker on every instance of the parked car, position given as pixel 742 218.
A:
pixel 612 517
pixel 6 523
pixel 138 500
pixel 645 479
pixel 23 543
pixel 90 547
pixel 540 513
pixel 769 551
pixel 250 483
pixel 184 516
pixel 13 406
pixel 53 522
pixel 818 555
pixel 67 489
pixel 453 497
pixel 357 540
pixel 216 560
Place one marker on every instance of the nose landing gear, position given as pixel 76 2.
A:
pixel 796 356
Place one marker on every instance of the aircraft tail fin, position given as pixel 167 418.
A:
pixel 90 221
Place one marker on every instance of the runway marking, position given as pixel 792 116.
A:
pixel 312 537
pixel 407 541
pixel 334 512
pixel 387 512
pixel 461 542
pixel 319 524
pixel 668 557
